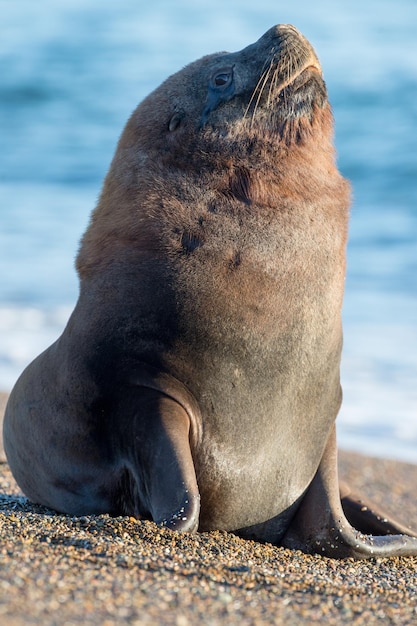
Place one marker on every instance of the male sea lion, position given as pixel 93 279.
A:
pixel 197 381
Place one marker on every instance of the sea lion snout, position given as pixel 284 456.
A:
pixel 288 55
pixel 289 51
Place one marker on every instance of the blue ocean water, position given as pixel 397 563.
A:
pixel 72 72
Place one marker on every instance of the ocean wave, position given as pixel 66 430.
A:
pixel 24 333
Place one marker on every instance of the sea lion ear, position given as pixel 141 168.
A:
pixel 175 120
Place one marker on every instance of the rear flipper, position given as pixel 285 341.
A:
pixel 367 517
pixel 321 524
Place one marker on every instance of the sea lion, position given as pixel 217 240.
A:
pixel 197 381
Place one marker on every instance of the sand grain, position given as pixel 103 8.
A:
pixel 63 570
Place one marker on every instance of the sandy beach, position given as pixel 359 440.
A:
pixel 63 570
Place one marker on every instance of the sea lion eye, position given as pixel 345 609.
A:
pixel 221 89
pixel 222 78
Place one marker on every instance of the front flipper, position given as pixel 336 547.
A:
pixel 174 500
pixel 161 482
pixel 321 525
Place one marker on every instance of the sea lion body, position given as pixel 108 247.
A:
pixel 197 380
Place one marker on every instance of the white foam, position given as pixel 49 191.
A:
pixel 25 333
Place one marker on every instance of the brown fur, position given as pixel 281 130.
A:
pixel 197 381
pixel 221 183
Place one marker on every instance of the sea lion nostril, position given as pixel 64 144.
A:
pixel 288 28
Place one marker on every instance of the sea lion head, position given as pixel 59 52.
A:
pixel 219 128
pixel 272 88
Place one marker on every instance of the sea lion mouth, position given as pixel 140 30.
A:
pixel 291 65
pixel 271 86
pixel 304 76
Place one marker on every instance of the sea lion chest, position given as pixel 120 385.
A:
pixel 257 341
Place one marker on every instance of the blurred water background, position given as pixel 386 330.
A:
pixel 72 71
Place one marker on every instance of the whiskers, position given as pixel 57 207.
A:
pixel 279 70
pixel 259 89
